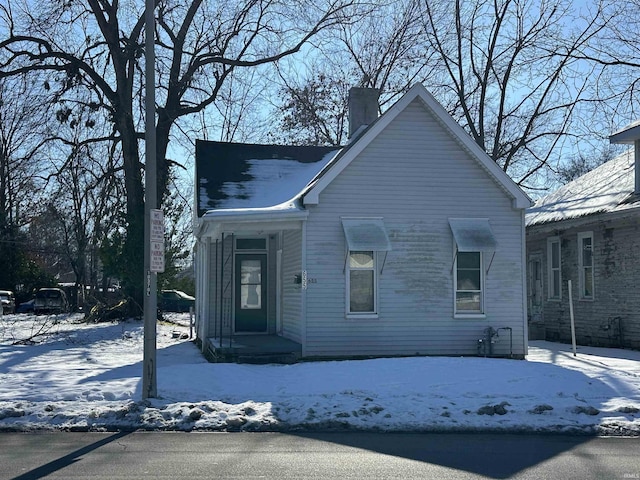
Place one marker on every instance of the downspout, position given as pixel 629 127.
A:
pixel 636 156
pixel 303 299
pixel 525 333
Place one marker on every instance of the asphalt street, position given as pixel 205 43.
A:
pixel 155 455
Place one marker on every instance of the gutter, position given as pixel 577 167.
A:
pixel 247 216
pixel 566 223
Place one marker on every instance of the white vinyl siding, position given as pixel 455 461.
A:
pixel 416 177
pixel 585 265
pixel 291 291
pixel 554 270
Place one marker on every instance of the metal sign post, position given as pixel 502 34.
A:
pixel 149 380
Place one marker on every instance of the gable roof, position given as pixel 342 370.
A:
pixel 311 194
pixel 240 176
pixel 605 189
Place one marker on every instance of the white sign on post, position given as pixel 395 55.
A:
pixel 156 263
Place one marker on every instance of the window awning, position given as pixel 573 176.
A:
pixel 473 234
pixel 366 234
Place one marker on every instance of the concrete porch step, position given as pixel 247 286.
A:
pixel 257 349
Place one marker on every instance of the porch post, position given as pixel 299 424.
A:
pixel 215 293
pixel 220 287
pixel 231 286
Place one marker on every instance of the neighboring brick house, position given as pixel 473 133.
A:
pixel 588 232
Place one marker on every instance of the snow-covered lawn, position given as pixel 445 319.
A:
pixel 78 376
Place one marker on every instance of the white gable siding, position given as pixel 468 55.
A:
pixel 416 177
pixel 203 304
pixel 291 292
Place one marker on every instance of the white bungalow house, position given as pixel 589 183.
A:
pixel 408 241
pixel 588 232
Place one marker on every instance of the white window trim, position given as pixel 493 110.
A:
pixel 581 267
pixel 465 313
pixel 550 270
pixel 348 312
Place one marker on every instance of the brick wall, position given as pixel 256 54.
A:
pixel 612 318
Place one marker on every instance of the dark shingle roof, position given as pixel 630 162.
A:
pixel 241 175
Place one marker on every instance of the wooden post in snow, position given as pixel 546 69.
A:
pixel 573 323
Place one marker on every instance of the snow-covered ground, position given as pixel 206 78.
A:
pixel 59 373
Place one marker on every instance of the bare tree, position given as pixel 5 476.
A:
pixel 83 204
pixel 617 50
pixel 313 112
pixel 511 76
pixel 21 133
pixel 384 50
pixel 97 46
pixel 21 142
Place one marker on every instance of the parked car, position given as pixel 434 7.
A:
pixel 26 307
pixel 50 300
pixel 175 301
pixel 8 301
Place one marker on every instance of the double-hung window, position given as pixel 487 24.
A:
pixel 468 281
pixel 554 262
pixel 366 241
pixel 362 282
pixel 473 240
pixel 585 265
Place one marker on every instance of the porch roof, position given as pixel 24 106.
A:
pixel 250 221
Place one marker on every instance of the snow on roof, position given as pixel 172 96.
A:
pixel 605 189
pixel 236 178
pixel 628 135
pixel 273 183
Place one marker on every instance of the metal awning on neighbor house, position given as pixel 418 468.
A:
pixel 473 235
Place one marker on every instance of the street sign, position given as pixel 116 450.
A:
pixel 156 263
pixel 157 226
pixel 157 257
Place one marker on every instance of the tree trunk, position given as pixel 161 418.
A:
pixel 132 262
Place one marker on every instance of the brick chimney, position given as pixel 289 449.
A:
pixel 630 135
pixel 363 109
